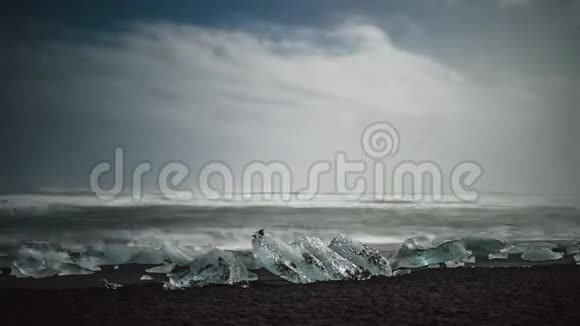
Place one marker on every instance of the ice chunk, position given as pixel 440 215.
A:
pixel 167 286
pixel 361 255
pixel 146 277
pixel 116 267
pixel 576 258
pixel 111 285
pixel 175 254
pixel 72 269
pixel 336 267
pixel 163 269
pixel 248 259
pixel 112 253
pixel 470 260
pixel 39 261
pixel 400 272
pixel 500 255
pixel 523 246
pixel 572 249
pixel 287 262
pixel 214 267
pixel 412 255
pixel 148 256
pixel 482 246
pixel 434 266
pixel 454 264
pixel 88 263
pixel 541 254
pixel 118 254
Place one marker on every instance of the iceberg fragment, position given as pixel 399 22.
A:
pixel 163 269
pixel 146 277
pixel 214 267
pixel 576 258
pixel 541 254
pixel 335 266
pixel 167 286
pixel 523 246
pixel 111 285
pixel 434 266
pixel 72 269
pixel 361 255
pixel 400 272
pixel 175 254
pixel 39 261
pixel 248 259
pixel 417 252
pixel 482 246
pixel 454 264
pixel 469 260
pixel 572 249
pixel 499 255
pixel 287 262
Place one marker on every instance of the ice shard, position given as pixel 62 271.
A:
pixel 163 269
pixel 400 272
pixel 541 254
pixel 523 246
pixel 287 262
pixel 454 264
pixel 146 277
pixel 501 255
pixel 336 266
pixel 361 255
pixel 72 269
pixel 214 267
pixel 111 285
pixel 419 252
pixel 39 261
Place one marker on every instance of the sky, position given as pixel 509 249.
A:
pixel 495 82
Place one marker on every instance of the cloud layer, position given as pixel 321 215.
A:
pixel 179 92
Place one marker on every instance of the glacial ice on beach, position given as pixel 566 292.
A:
pixel 310 260
pixel 111 285
pixel 523 246
pixel 334 265
pixel 39 261
pixel 482 246
pixel 214 267
pixel 469 260
pixel 361 255
pixel 454 264
pixel 163 269
pixel 500 255
pixel 576 258
pixel 146 277
pixel 541 254
pixel 420 251
pixel 287 262
pixel 572 249
pixel 400 272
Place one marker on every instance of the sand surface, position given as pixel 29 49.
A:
pixel 548 295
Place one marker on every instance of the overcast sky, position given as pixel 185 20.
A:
pixel 496 82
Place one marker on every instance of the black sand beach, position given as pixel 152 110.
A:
pixel 544 295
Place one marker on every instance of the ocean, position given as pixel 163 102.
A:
pixel 199 224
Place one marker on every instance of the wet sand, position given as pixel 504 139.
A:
pixel 548 295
